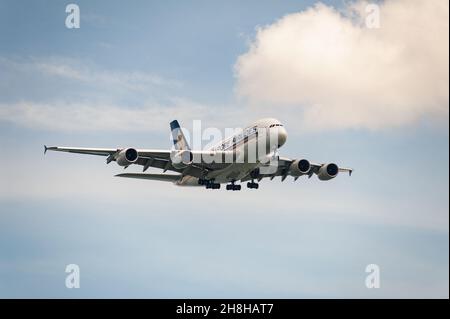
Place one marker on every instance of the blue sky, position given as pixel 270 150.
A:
pixel 128 71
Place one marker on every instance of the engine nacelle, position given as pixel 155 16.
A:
pixel 328 171
pixel 299 167
pixel 127 156
pixel 182 159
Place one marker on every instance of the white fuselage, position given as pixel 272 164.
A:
pixel 251 149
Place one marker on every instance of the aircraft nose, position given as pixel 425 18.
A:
pixel 282 136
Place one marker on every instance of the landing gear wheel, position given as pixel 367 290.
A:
pixel 252 185
pixel 209 184
pixel 233 187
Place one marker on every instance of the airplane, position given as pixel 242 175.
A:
pixel 228 162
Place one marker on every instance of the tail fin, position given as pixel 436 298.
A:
pixel 179 141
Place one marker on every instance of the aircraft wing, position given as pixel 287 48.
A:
pixel 147 158
pixel 90 151
pixel 164 154
pixel 286 163
pixel 155 177
pixel 283 169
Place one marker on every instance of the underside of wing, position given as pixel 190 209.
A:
pixel 285 167
pixel 156 177
pixel 146 158
pixel 81 150
pixel 145 153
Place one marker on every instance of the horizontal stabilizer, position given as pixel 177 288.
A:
pixel 156 177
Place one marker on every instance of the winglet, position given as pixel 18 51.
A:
pixel 346 170
pixel 45 149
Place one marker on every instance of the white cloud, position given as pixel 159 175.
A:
pixel 133 80
pixel 84 97
pixel 86 72
pixel 344 75
pixel 80 116
pixel 67 116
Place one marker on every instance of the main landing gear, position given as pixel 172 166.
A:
pixel 252 185
pixel 209 184
pixel 233 187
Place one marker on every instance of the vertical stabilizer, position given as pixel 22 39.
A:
pixel 179 140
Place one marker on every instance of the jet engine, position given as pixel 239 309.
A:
pixel 328 171
pixel 299 167
pixel 127 156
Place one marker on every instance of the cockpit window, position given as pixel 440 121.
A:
pixel 273 125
